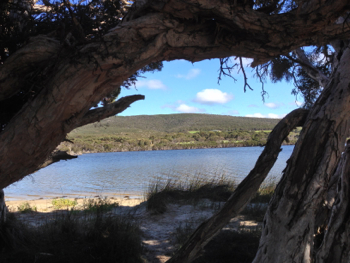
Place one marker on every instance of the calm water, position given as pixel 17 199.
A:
pixel 130 173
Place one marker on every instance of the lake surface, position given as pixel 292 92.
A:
pixel 131 173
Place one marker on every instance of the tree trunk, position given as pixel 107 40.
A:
pixel 245 190
pixel 291 221
pixel 3 207
pixel 335 246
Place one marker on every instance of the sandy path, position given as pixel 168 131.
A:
pixel 159 231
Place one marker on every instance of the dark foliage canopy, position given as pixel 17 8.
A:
pixel 72 24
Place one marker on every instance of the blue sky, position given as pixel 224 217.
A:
pixel 183 87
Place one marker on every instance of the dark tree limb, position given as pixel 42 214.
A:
pixel 246 84
pixel 55 157
pixel 245 190
pixel 109 110
pixel 91 117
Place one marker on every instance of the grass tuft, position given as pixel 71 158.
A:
pixel 99 205
pixel 160 194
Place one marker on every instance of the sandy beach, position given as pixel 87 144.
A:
pixel 158 230
pixel 46 206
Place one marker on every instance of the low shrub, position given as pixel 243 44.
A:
pixel 26 208
pixel 63 203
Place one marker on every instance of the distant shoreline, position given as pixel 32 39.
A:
pixel 169 149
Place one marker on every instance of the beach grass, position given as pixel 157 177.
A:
pixel 71 238
pixel 218 189
pixel 102 204
pixel 161 193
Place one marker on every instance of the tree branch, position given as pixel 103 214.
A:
pixel 55 157
pixel 312 71
pixel 246 84
pixel 245 190
pixel 108 110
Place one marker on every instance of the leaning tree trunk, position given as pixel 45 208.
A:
pixel 291 221
pixel 244 192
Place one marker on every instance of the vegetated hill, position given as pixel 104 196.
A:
pixel 174 123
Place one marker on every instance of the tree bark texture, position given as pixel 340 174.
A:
pixel 290 223
pixel 245 190
pixel 335 246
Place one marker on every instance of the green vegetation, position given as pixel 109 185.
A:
pixel 61 203
pixel 160 194
pixel 174 131
pixel 70 238
pixel 99 205
pixel 26 208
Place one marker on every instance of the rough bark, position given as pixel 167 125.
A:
pixel 290 223
pixel 245 190
pixel 335 246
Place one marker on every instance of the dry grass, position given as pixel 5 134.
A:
pixel 72 236
pixel 160 194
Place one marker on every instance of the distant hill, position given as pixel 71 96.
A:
pixel 174 123
pixel 169 132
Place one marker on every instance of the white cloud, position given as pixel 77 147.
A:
pixel 273 105
pixel 299 103
pixel 212 96
pixel 255 115
pixel 296 103
pixel 269 115
pixel 188 109
pixel 275 116
pixel 150 84
pixel 192 73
